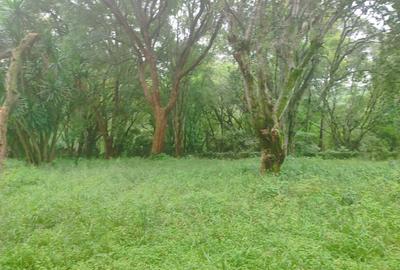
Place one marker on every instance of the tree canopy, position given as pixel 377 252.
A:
pixel 211 78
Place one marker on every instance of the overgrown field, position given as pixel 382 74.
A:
pixel 200 214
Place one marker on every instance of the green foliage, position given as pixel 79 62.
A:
pixel 161 156
pixel 228 155
pixel 341 153
pixel 200 214
pixel 80 89
pixel 377 149
pixel 305 144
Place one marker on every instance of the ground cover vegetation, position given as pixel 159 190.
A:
pixel 202 214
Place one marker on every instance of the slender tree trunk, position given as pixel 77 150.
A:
pixel 108 147
pixel 89 142
pixel 105 133
pixel 321 133
pixel 4 111
pixel 308 113
pixel 179 123
pixel 25 144
pixel 178 134
pixel 290 131
pixel 160 128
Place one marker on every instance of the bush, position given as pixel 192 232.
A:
pixel 341 153
pixel 376 149
pixel 228 155
pixel 233 141
pixel 305 144
pixel 161 156
pixel 140 145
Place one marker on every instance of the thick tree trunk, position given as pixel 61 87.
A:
pixel 160 128
pixel 272 150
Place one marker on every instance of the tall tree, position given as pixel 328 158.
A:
pixel 166 34
pixel 11 87
pixel 275 44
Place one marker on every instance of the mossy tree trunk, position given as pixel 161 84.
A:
pixel 276 66
pixel 272 150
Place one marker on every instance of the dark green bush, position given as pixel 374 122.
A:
pixel 305 144
pixel 228 155
pixel 375 148
pixel 341 153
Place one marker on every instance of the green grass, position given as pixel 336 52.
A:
pixel 200 214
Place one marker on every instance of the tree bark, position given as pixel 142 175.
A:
pixel 290 131
pixel 11 87
pixel 272 150
pixel 179 122
pixel 160 127
pixel 178 134
pixel 108 147
pixel 321 133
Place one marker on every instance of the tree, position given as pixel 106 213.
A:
pixel 11 87
pixel 276 46
pixel 166 36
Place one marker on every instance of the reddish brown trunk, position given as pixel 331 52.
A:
pixel 272 150
pixel 159 132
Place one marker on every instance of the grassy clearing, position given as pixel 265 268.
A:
pixel 200 214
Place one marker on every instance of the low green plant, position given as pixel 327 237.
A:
pixel 200 214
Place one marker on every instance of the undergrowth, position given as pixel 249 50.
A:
pixel 200 214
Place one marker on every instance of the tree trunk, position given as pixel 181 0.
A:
pixel 3 134
pixel 178 134
pixel 272 150
pixel 11 87
pixel 308 112
pixel 105 133
pixel 108 147
pixel 321 133
pixel 159 131
pixel 179 122
pixel 90 142
pixel 24 141
pixel 290 131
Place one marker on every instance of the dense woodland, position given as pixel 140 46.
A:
pixel 210 78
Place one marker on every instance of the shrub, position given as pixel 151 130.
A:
pixel 341 153
pixel 305 144
pixel 376 149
